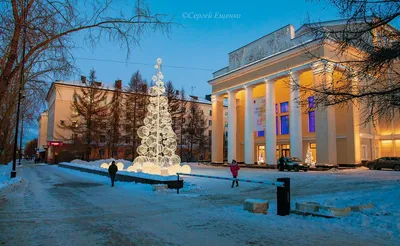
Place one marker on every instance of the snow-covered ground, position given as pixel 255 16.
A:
pixel 5 172
pixel 60 206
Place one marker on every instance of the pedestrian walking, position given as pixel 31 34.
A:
pixel 112 170
pixel 234 170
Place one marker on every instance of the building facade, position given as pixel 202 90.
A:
pixel 54 139
pixel 265 121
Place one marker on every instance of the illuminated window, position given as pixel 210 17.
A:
pixel 284 107
pixel 313 145
pixel 311 121
pixel 277 125
pixel 285 124
pixel 311 103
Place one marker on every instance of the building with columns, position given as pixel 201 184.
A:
pixel 265 120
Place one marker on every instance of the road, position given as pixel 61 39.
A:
pixel 58 207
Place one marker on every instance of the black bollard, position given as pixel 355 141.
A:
pixel 177 183
pixel 283 197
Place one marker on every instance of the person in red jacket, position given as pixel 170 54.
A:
pixel 234 170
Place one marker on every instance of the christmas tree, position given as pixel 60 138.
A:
pixel 158 140
pixel 309 158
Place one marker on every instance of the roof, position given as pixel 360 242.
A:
pixel 188 98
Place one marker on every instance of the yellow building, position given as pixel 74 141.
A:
pixel 264 119
pixel 54 138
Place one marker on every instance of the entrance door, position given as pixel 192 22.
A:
pixel 261 154
pixel 285 150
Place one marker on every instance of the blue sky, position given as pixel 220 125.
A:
pixel 202 44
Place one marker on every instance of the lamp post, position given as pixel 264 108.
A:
pixel 20 91
pixel 22 131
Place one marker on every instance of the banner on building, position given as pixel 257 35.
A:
pixel 259 113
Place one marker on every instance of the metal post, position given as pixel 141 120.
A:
pixel 20 140
pixel 177 190
pixel 21 85
pixel 283 197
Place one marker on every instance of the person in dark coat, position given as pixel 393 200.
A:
pixel 112 170
pixel 234 170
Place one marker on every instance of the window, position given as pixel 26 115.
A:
pixel 75 123
pixel 209 122
pixel 62 122
pixel 209 133
pixel 364 152
pixel 276 108
pixel 210 113
pixel 277 125
pixel 114 153
pixel 285 124
pixel 226 123
pixel 74 136
pixel 260 134
pixel 313 145
pixel 102 138
pixel 226 114
pixel 311 102
pixel 127 139
pixel 101 152
pixel 284 107
pixel 311 121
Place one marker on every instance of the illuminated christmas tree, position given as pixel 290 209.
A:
pixel 309 158
pixel 158 140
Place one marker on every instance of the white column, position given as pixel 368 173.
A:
pixel 248 126
pixel 217 134
pixel 295 121
pixel 232 115
pixel 270 126
pixel 353 128
pixel 325 118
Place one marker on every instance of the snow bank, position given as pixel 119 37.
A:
pixel 5 179
pixel 96 166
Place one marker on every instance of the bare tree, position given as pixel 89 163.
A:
pixel 30 148
pixel 368 50
pixel 49 27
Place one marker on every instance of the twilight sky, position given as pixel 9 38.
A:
pixel 202 44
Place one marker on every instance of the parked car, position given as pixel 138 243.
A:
pixel 385 162
pixel 293 163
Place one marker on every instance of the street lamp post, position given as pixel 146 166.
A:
pixel 20 139
pixel 20 91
